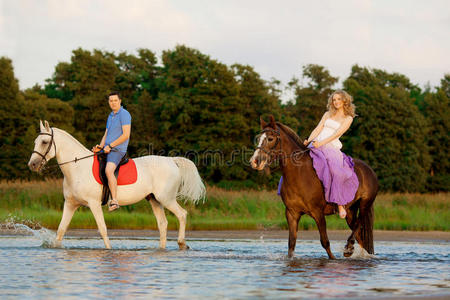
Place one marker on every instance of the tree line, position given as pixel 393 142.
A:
pixel 187 103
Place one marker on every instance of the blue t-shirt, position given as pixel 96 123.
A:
pixel 114 126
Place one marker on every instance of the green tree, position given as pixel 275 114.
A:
pixel 88 78
pixel 389 132
pixel 12 123
pixel 136 74
pixel 39 107
pixel 437 111
pixel 207 107
pixel 311 99
pixel 144 134
pixel 19 121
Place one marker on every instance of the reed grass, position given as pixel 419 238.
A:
pixel 41 202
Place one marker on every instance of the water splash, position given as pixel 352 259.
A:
pixel 361 253
pixel 16 225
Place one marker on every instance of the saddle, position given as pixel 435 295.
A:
pixel 128 176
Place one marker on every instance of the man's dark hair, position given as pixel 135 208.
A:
pixel 113 94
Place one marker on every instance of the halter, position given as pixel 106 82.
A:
pixel 52 141
pixel 278 141
pixel 277 132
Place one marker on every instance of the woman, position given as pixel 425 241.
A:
pixel 334 168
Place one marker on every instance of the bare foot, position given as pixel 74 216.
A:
pixel 342 212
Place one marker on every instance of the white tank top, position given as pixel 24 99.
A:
pixel 329 128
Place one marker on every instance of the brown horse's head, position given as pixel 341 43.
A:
pixel 267 142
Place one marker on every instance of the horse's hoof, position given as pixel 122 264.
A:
pixel 57 244
pixel 183 246
pixel 348 252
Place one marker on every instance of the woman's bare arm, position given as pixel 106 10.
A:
pixel 318 129
pixel 339 132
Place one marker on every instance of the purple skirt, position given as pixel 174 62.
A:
pixel 336 172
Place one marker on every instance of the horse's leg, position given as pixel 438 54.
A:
pixel 181 214
pixel 352 216
pixel 68 211
pixel 292 219
pixel 364 231
pixel 158 210
pixel 322 225
pixel 97 211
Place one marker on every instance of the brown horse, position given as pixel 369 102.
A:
pixel 302 191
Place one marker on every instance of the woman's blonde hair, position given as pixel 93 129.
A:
pixel 349 107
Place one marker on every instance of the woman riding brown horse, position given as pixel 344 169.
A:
pixel 302 192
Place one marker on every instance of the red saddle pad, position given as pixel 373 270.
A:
pixel 127 172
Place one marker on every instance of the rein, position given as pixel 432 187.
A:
pixel 52 141
pixel 278 142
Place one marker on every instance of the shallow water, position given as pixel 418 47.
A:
pixel 219 268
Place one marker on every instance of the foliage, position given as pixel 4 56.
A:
pixel 19 116
pixel 437 111
pixel 42 202
pixel 192 105
pixel 311 99
pixel 390 131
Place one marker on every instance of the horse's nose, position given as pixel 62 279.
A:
pixel 254 162
pixel 32 165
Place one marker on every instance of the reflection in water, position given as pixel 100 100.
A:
pixel 217 269
pixel 328 277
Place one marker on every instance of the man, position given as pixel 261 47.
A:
pixel 115 142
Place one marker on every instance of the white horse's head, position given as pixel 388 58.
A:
pixel 44 148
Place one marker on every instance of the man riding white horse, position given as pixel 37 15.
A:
pixel 160 179
pixel 116 137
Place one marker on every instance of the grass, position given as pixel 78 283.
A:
pixel 41 202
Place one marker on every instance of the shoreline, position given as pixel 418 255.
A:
pixel 379 235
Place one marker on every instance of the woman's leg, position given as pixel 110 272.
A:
pixel 339 175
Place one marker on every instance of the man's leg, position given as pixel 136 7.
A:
pixel 112 182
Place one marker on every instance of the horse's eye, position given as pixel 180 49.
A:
pixel 44 142
pixel 270 139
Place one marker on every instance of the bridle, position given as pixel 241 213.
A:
pixel 273 149
pixel 52 141
pixel 277 133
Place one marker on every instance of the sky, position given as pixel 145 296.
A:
pixel 277 38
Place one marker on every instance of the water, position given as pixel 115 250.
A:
pixel 215 268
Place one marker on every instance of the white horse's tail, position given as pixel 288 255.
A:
pixel 192 187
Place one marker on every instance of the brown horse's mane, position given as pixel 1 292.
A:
pixel 291 133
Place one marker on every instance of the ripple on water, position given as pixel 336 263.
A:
pixel 217 268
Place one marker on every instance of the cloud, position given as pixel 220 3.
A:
pixel 276 37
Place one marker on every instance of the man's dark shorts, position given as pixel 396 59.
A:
pixel 115 157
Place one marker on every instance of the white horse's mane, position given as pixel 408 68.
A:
pixel 70 136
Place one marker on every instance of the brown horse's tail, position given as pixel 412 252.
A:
pixel 366 219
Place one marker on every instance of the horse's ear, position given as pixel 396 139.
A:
pixel 47 126
pixel 262 122
pixel 272 122
pixel 41 126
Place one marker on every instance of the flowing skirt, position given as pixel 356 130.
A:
pixel 336 172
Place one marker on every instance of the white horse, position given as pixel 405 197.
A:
pixel 161 180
